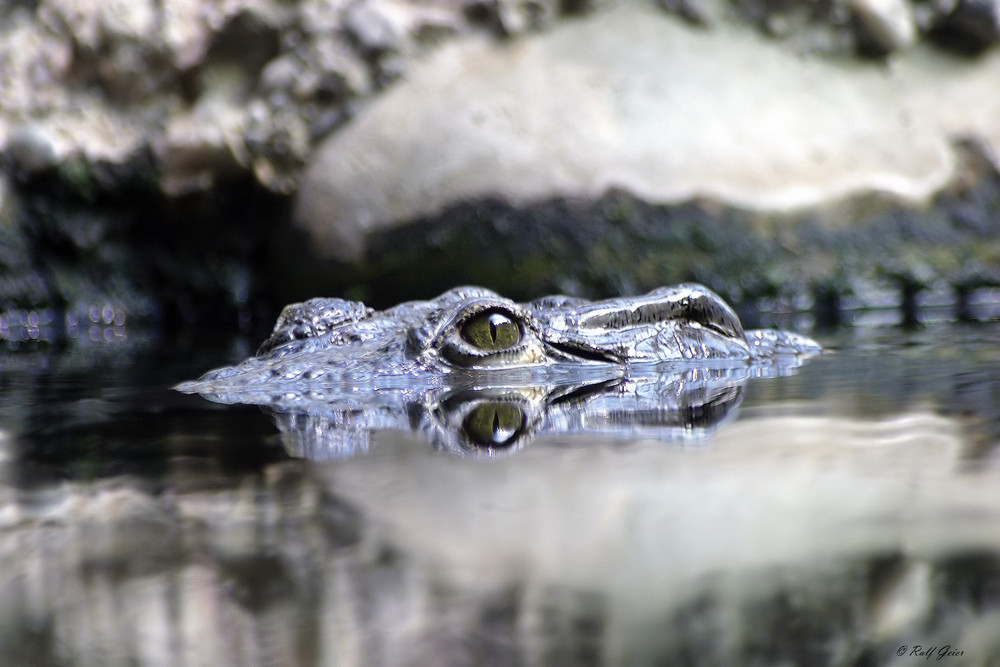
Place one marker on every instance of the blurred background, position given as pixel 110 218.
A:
pixel 207 162
pixel 173 173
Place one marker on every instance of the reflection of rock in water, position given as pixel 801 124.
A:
pixel 835 542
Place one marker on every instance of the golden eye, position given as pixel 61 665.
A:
pixel 494 424
pixel 492 331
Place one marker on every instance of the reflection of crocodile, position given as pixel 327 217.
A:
pixel 468 331
pixel 478 373
pixel 493 421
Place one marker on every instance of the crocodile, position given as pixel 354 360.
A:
pixel 472 334
pixel 479 374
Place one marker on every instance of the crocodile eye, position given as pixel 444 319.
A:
pixel 492 331
pixel 494 424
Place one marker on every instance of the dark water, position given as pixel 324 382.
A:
pixel 848 513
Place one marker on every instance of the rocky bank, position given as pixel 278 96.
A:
pixel 212 159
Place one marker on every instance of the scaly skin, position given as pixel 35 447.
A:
pixel 470 335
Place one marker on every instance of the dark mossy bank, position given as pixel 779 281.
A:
pixel 869 251
pixel 82 239
pixel 171 206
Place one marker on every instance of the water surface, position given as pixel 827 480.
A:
pixel 847 513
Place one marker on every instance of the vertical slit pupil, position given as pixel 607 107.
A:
pixel 491 331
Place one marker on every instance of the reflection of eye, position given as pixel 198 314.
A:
pixel 494 424
pixel 492 331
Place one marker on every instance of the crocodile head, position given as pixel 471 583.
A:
pixel 469 331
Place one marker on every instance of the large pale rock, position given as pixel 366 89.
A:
pixel 631 99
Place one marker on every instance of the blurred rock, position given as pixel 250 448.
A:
pixel 195 153
pixel 889 24
pixel 579 110
pixel 518 16
pixel 697 12
pixel 33 148
pixel 74 68
pixel 375 26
